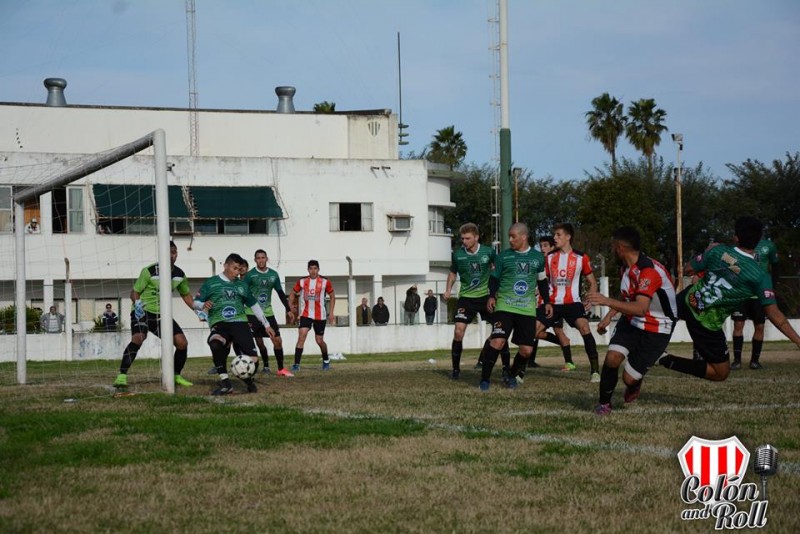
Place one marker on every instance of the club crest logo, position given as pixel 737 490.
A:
pixel 228 312
pixel 713 473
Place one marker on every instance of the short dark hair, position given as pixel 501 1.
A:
pixel 235 258
pixel 173 245
pixel 628 235
pixel 312 263
pixel 469 228
pixel 748 231
pixel 549 239
pixel 261 250
pixel 567 227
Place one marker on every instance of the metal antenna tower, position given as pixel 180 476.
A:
pixel 494 59
pixel 194 129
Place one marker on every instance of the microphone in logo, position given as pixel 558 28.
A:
pixel 765 464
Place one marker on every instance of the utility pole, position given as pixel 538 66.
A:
pixel 506 185
pixel 678 140
pixel 191 32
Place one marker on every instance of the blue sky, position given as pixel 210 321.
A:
pixel 727 72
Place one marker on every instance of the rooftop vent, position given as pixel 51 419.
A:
pixel 285 94
pixel 55 92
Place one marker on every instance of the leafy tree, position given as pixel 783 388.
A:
pixel 645 126
pixel 325 107
pixel 447 147
pixel 473 199
pixel 606 121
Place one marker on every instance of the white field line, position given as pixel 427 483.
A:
pixel 615 446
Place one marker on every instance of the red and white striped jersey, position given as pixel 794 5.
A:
pixel 311 294
pixel 649 278
pixel 564 269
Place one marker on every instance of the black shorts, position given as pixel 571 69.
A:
pixel 751 309
pixel 151 322
pixel 467 308
pixel 710 344
pixel 569 313
pixel 318 324
pixel 548 322
pixel 237 333
pixel 258 328
pixel 641 348
pixel 523 326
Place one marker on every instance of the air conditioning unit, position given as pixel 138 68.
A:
pixel 400 223
pixel 182 227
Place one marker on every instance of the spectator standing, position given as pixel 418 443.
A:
pixel 411 305
pixel 363 313
pixel 430 307
pixel 380 313
pixel 110 319
pixel 52 322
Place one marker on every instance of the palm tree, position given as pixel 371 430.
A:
pixel 645 127
pixel 606 122
pixel 325 107
pixel 447 147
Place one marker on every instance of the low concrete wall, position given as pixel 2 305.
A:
pixel 368 339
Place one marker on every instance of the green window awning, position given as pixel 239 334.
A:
pixel 235 203
pixel 135 201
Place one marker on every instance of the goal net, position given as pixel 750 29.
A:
pixel 66 264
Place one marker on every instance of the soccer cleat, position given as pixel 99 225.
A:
pixel 632 392
pixel 284 372
pixel 533 365
pixel 479 365
pixel 755 366
pixel 180 381
pixel 251 385
pixel 266 370
pixel 455 374
pixel 326 365
pixel 212 371
pixel 484 385
pixel 510 381
pixel 569 366
pixel 736 365
pixel 121 381
pixel 603 409
pixel 520 378
pixel 225 388
pixel 595 379
pixel 295 367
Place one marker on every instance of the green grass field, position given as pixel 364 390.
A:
pixel 381 443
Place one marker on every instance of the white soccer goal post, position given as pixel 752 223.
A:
pixel 157 140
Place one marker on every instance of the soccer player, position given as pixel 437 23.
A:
pixel 565 268
pixel 547 244
pixel 512 300
pixel 472 263
pixel 767 257
pixel 146 317
pixel 262 280
pixel 225 298
pixel 310 292
pixel 732 275
pixel 649 311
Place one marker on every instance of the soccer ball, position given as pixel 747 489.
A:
pixel 243 367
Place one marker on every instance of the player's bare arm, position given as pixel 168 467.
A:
pixel 451 279
pixel 332 318
pixel 776 317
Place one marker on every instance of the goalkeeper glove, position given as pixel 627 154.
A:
pixel 138 309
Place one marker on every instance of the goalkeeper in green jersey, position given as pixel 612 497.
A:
pixel 732 276
pixel 146 317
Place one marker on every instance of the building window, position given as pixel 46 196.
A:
pixel 75 209
pixel 6 209
pixel 350 217
pixel 435 220
pixel 236 226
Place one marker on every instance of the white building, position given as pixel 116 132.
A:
pixel 299 185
